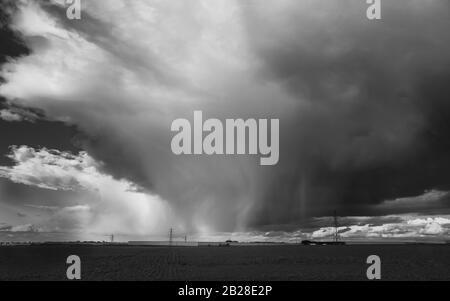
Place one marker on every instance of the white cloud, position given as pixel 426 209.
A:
pixel 24 228
pixel 408 227
pixel 111 205
pixel 7 115
pixel 16 114
pixel 125 74
pixel 20 228
pixel 42 207
pixel 50 169
pixel 428 221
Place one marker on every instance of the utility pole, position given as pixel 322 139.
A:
pixel 170 236
pixel 336 225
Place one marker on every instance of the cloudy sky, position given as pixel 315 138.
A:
pixel 86 108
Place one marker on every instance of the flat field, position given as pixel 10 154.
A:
pixel 285 262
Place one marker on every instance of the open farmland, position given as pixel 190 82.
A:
pixel 288 262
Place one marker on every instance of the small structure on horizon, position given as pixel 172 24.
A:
pixel 336 238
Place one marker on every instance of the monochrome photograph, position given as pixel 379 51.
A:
pixel 233 142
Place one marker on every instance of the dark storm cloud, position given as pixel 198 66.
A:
pixel 41 131
pixel 375 116
pixel 34 129
pixel 431 202
pixel 12 44
pixel 21 125
pixel 362 104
